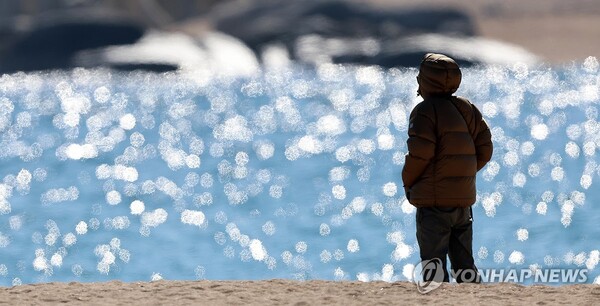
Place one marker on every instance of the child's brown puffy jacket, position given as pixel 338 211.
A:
pixel 448 140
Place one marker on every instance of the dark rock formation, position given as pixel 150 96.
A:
pixel 261 23
pixel 55 37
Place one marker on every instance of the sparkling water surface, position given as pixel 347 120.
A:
pixel 290 173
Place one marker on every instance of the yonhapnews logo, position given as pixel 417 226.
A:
pixel 428 275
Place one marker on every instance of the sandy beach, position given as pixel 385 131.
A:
pixel 289 292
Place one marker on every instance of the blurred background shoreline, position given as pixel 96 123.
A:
pixel 560 32
pixel 62 34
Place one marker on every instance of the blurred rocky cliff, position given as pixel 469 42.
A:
pixel 235 36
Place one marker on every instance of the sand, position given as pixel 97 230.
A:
pixel 290 292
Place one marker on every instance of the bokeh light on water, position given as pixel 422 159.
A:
pixel 289 173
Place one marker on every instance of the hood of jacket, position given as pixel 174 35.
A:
pixel 438 75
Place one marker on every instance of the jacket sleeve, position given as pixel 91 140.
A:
pixel 421 145
pixel 483 140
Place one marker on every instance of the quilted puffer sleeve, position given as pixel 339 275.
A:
pixel 483 140
pixel 421 143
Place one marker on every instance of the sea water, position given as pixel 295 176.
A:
pixel 291 172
